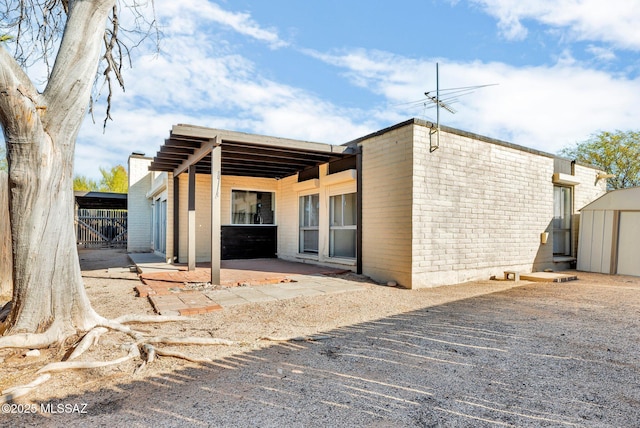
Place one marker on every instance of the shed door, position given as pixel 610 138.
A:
pixel 628 254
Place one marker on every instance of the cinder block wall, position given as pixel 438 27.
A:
pixel 287 218
pixel 478 209
pixel 387 177
pixel 139 215
pixel 480 205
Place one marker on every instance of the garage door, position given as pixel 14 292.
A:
pixel 628 242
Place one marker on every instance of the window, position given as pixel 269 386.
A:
pixel 562 210
pixel 342 226
pixel 309 210
pixel 249 207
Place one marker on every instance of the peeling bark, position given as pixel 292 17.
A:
pixel 6 275
pixel 49 300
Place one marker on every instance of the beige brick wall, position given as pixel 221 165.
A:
pixel 287 215
pixel 387 173
pixel 479 209
pixel 138 206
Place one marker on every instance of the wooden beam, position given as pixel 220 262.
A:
pixel 176 219
pixel 191 237
pixel 258 140
pixel 203 151
pixel 216 188
pixel 359 211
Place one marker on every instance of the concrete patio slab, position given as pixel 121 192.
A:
pixel 172 289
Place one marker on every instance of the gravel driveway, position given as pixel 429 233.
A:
pixel 539 354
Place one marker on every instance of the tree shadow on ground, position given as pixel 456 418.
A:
pixel 535 355
pixel 103 258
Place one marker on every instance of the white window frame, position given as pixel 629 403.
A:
pixel 305 226
pixel 341 225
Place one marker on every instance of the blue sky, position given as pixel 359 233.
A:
pixel 331 71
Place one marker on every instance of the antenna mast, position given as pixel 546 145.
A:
pixel 439 103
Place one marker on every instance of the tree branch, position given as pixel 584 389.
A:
pixel 78 56
pixel 16 90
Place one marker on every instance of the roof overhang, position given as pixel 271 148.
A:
pixel 242 154
pixel 101 200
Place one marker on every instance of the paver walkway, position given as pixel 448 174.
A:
pixel 172 290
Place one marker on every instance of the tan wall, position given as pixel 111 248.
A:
pixel 479 209
pixel 139 212
pixel 387 173
pixel 287 207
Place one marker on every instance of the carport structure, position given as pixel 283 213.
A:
pixel 195 150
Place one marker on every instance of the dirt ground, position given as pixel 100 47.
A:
pixel 489 353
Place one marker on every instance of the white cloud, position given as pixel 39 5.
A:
pixel 611 21
pixel 198 81
pixel 185 15
pixel 201 80
pixel 602 54
pixel 544 107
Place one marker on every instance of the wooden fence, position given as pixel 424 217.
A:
pixel 101 228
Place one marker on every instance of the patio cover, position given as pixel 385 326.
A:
pixel 201 150
pixel 242 154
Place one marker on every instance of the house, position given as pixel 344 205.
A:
pixel 408 203
pixel 610 232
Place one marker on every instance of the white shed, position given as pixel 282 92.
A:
pixel 609 240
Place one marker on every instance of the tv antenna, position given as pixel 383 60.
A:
pixel 443 99
pixel 439 103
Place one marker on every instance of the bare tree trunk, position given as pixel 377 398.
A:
pixel 49 300
pixel 6 265
pixel 48 291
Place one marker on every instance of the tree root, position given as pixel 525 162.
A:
pixel 143 347
pixel 75 365
pixel 87 342
pixel 10 394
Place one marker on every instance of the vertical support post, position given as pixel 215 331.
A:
pixel 176 218
pixel 216 182
pixel 191 239
pixel 359 210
